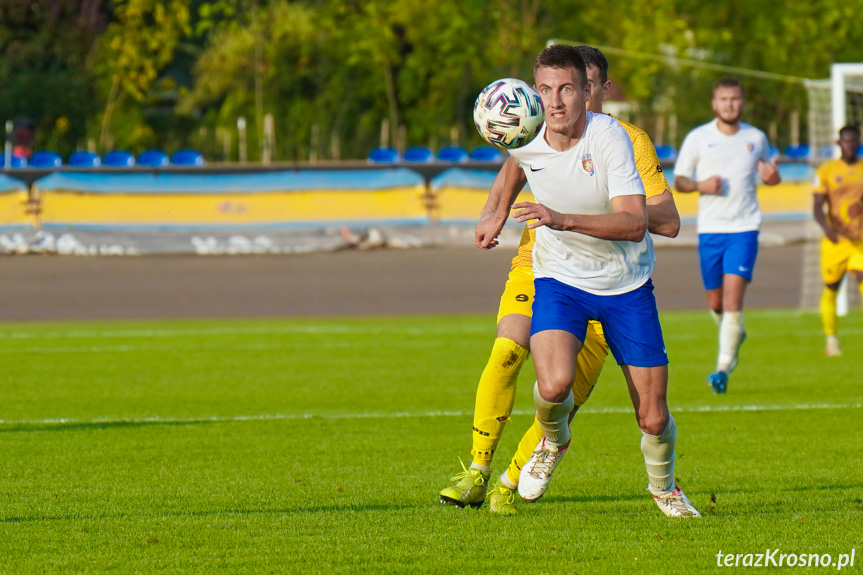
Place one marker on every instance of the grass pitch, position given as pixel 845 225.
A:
pixel 319 446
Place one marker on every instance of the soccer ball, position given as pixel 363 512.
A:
pixel 508 113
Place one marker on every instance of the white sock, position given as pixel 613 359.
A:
pixel 717 317
pixel 729 338
pixel 480 467
pixel 553 417
pixel 658 453
pixel 504 479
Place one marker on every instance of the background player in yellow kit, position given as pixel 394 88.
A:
pixel 838 209
pixel 496 390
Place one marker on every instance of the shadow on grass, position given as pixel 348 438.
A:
pixel 576 498
pixel 99 425
pixel 215 513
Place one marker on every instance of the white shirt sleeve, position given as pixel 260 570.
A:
pixel 619 159
pixel 687 158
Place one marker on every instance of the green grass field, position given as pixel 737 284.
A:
pixel 319 446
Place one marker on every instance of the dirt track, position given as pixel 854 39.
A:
pixel 426 281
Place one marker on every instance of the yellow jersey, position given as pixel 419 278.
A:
pixel 648 167
pixel 843 185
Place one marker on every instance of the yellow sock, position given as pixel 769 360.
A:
pixel 525 449
pixel 495 396
pixel 828 311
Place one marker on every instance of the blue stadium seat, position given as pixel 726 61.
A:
pixel 486 154
pixel 774 151
pixel 383 156
pixel 798 152
pixel 187 158
pixel 452 154
pixel 418 154
pixel 860 150
pixel 83 159
pixel 118 159
pixel 665 153
pixel 153 159
pixel 16 162
pixel 45 159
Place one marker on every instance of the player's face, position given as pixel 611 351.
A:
pixel 598 90
pixel 728 103
pixel 848 143
pixel 564 99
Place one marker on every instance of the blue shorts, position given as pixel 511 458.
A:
pixel 630 320
pixel 726 254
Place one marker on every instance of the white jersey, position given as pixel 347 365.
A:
pixel 582 180
pixel 708 152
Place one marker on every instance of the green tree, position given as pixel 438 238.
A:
pixel 43 76
pixel 137 45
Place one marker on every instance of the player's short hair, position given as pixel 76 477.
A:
pixel 728 82
pixel 593 58
pixel 853 128
pixel 562 56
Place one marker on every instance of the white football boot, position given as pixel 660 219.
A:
pixel 833 349
pixel 536 475
pixel 676 504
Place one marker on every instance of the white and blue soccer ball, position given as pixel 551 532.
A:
pixel 508 113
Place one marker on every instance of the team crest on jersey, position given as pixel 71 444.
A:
pixel 587 165
pixel 750 147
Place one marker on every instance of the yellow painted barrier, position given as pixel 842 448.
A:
pixel 61 207
pixel 274 199
pixel 13 209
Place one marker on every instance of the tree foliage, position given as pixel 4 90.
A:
pixel 341 76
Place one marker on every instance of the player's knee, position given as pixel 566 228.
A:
pixel 652 422
pixel 554 389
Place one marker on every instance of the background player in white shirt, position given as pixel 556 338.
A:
pixel 720 160
pixel 592 261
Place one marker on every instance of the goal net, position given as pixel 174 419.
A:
pixel 833 103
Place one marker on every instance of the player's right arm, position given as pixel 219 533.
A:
pixel 684 171
pixel 821 204
pixel 508 183
pixel 708 186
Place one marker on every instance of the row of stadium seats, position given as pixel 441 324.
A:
pixel 115 159
pixel 423 155
pixel 800 152
pixel 456 154
pixel 381 155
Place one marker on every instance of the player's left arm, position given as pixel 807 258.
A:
pixel 627 222
pixel 768 170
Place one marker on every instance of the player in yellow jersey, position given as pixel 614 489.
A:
pixel 496 391
pixel 838 209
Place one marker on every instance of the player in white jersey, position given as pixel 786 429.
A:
pixel 720 160
pixel 592 261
